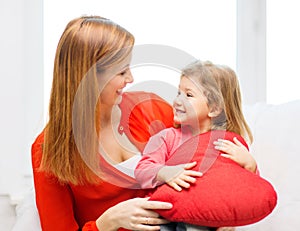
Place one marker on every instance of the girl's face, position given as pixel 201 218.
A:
pixel 190 106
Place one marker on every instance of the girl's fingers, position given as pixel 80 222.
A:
pixel 183 183
pixel 225 155
pixel 193 173
pixel 190 165
pixel 175 186
pixel 237 142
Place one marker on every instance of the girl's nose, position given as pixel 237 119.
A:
pixel 177 101
pixel 129 77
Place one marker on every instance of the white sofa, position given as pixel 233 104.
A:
pixel 276 131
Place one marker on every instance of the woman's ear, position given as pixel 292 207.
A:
pixel 214 111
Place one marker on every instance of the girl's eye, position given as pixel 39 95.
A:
pixel 123 73
pixel 189 95
pixel 178 93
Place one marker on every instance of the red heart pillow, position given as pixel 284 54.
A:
pixel 226 195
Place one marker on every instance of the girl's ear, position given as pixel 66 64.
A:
pixel 214 111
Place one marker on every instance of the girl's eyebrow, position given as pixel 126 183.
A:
pixel 188 89
pixel 125 66
pixel 185 89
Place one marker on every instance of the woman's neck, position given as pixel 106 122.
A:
pixel 109 116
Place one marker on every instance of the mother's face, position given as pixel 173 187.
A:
pixel 113 81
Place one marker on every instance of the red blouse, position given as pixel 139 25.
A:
pixel 70 207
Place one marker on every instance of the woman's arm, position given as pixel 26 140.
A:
pixel 56 203
pixel 56 212
pixel 54 200
pixel 133 214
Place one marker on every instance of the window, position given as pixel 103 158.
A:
pixel 283 49
pixel 203 29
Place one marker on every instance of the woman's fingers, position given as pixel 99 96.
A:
pixel 156 204
pixel 138 214
pixel 150 224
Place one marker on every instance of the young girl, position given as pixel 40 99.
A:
pixel 208 99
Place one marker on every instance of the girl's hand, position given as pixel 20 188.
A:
pixel 179 176
pixel 133 214
pixel 237 152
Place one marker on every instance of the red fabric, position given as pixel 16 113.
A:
pixel 226 195
pixel 69 207
pixel 90 226
pixel 145 114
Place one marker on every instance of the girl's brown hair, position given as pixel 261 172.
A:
pixel 221 87
pixel 87 47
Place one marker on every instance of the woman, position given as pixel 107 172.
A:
pixel 91 69
pixel 83 160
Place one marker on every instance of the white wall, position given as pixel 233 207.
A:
pixel 161 22
pixel 202 28
pixel 21 88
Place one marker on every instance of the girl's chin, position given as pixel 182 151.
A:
pixel 177 120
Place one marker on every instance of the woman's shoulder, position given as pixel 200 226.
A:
pixel 143 99
pixel 141 95
pixel 147 106
pixel 37 149
pixel 143 115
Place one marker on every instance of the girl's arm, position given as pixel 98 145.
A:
pixel 153 159
pixel 237 152
pixel 152 170
pixel 179 176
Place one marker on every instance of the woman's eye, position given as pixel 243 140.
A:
pixel 189 95
pixel 178 93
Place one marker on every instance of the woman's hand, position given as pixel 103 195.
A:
pixel 226 229
pixel 179 176
pixel 237 152
pixel 133 214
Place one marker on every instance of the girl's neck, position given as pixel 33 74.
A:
pixel 195 130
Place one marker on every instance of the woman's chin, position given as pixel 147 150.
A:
pixel 118 100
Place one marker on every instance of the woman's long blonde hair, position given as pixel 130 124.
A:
pixel 221 88
pixel 88 46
